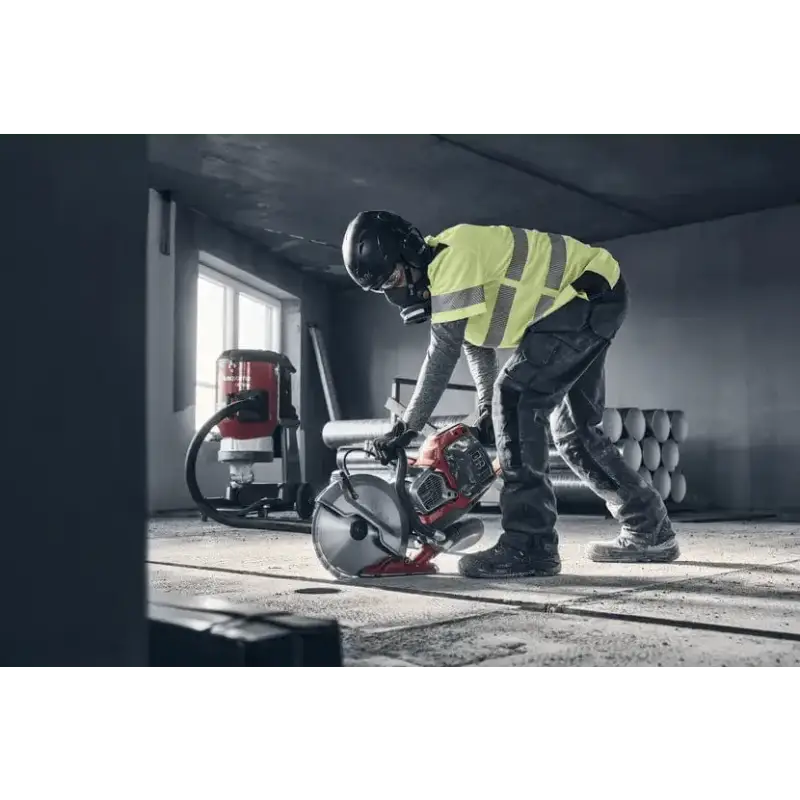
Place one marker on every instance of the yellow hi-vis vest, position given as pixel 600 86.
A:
pixel 503 280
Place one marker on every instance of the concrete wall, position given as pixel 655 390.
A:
pixel 172 280
pixel 373 347
pixel 712 330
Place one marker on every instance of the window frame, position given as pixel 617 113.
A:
pixel 231 310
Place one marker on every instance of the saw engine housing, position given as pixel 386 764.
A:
pixel 452 471
pixel 367 526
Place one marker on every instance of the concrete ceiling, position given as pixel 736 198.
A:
pixel 296 194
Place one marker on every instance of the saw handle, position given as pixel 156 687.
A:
pixel 345 473
pixel 402 463
pixel 402 471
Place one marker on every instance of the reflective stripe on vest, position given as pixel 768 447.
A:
pixel 501 313
pixel 516 267
pixel 463 298
pixel 555 273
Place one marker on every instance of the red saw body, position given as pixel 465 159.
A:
pixel 366 526
pixel 456 471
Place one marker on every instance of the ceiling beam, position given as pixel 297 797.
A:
pixel 526 169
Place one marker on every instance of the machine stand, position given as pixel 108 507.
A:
pixel 290 494
pixel 393 567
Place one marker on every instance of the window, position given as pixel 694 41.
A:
pixel 230 315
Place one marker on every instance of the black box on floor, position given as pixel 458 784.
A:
pixel 209 632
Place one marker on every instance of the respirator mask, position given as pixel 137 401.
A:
pixel 413 299
pixel 412 296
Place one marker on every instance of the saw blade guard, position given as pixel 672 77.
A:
pixel 358 522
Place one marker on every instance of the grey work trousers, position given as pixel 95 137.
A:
pixel 558 372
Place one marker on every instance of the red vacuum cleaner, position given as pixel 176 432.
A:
pixel 257 423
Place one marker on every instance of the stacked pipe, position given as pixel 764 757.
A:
pixel 647 439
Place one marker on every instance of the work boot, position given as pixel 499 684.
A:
pixel 631 548
pixel 504 561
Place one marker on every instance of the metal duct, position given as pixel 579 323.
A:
pixel 570 490
pixel 616 424
pixel 343 432
pixel 630 451
pixel 358 459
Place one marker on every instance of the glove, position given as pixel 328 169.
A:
pixel 387 446
pixel 484 429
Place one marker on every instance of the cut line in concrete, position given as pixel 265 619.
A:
pixel 766 600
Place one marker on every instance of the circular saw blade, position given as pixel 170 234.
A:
pixel 344 542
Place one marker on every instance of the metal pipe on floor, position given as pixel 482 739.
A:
pixel 343 432
pixel 569 488
pixel 572 491
pixel 629 449
pixel 359 459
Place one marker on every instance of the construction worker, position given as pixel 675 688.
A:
pixel 559 303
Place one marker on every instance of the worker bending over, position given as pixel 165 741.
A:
pixel 559 303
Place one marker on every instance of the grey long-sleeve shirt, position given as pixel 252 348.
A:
pixel 446 343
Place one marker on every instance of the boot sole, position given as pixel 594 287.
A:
pixel 637 557
pixel 533 573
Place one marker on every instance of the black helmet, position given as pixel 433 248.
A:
pixel 376 242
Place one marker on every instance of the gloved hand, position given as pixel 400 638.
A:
pixel 385 447
pixel 484 429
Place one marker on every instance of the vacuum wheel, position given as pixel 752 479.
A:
pixel 304 501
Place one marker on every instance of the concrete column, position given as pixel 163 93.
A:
pixel 74 232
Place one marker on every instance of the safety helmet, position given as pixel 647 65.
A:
pixel 375 242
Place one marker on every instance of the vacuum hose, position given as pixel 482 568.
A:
pixel 233 519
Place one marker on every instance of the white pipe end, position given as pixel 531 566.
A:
pixel 670 455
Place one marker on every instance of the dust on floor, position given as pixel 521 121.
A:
pixel 731 599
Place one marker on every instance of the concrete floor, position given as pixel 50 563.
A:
pixel 731 600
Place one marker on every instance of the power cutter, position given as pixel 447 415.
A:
pixel 365 526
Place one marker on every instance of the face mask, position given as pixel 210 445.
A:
pixel 413 301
